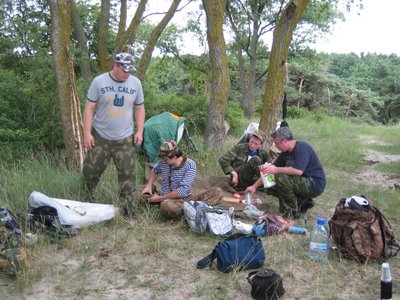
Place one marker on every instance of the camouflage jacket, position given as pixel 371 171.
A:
pixel 237 157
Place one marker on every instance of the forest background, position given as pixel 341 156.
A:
pixel 362 87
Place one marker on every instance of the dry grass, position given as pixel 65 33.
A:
pixel 153 258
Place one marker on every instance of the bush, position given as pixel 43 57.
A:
pixel 297 113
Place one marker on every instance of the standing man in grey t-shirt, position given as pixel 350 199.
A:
pixel 114 103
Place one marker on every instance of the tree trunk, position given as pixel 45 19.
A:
pixel 273 94
pixel 300 90
pixel 246 40
pixel 251 74
pixel 155 35
pixel 82 44
pixel 220 81
pixel 126 37
pixel 66 88
pixel 104 20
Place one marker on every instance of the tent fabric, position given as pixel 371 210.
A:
pixel 158 129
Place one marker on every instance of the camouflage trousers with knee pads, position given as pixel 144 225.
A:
pixel 122 152
pixel 292 192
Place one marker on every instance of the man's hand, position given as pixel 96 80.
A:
pixel 235 178
pixel 271 169
pixel 138 139
pixel 250 189
pixel 88 141
pixel 147 190
pixel 155 199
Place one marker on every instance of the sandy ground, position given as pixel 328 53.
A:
pixel 107 265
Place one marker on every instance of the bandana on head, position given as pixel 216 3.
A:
pixel 166 148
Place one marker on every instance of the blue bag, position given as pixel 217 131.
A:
pixel 237 252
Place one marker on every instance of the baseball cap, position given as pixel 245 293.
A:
pixel 166 149
pixel 259 134
pixel 125 60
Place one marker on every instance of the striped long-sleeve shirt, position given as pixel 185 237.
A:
pixel 179 179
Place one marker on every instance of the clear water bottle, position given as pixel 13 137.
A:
pixel 319 241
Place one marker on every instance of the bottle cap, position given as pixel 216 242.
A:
pixel 320 220
pixel 386 276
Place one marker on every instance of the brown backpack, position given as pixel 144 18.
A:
pixel 361 232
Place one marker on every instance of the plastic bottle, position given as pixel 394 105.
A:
pixel 297 230
pixel 248 198
pixel 319 241
pixel 386 282
pixel 259 230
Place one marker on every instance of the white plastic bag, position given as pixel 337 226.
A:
pixel 73 213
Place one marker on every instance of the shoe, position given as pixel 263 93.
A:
pixel 294 215
pixel 205 262
pixel 307 205
pixel 128 214
pixel 252 212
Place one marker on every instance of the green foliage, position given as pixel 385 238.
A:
pixel 234 116
pixel 190 107
pixel 170 77
pixel 362 88
pixel 29 118
pixel 297 113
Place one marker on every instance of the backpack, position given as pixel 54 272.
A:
pixel 46 218
pixel 361 232
pixel 12 252
pixel 265 285
pixel 237 252
pixel 201 216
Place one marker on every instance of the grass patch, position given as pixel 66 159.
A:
pixel 152 258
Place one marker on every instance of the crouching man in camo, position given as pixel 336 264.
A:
pixel 177 176
pixel 298 172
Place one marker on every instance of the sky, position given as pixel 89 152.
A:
pixel 373 29
pixel 370 30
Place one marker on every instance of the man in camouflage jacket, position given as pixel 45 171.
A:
pixel 243 160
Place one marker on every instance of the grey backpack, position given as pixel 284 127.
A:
pixel 201 216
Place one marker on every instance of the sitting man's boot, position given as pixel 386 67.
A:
pixel 309 203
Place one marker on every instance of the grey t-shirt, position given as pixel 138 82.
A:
pixel 113 119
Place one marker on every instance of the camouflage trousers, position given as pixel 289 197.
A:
pixel 12 254
pixel 173 208
pixel 292 192
pixel 248 173
pixel 122 152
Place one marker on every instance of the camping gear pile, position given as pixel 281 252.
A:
pixel 57 217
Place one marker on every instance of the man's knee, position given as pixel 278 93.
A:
pixel 172 208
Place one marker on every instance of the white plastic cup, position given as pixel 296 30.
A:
pixel 267 179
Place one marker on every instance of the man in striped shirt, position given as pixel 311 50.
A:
pixel 177 176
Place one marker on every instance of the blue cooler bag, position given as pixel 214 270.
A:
pixel 237 252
